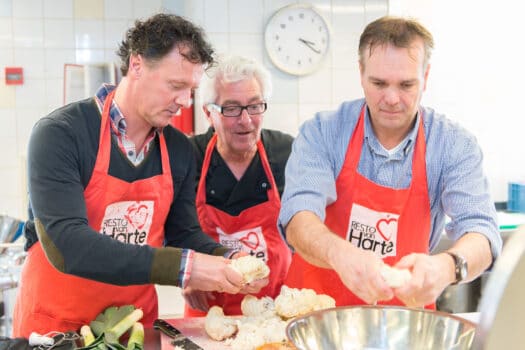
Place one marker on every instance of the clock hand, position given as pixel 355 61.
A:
pixel 310 44
pixel 306 41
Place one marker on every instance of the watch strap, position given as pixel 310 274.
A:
pixel 459 267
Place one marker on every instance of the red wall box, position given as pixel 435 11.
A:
pixel 183 120
pixel 14 75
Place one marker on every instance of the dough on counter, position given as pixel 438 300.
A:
pixel 251 306
pixel 256 331
pixel 218 326
pixel 324 301
pixel 292 302
pixel 250 267
pixel 395 277
pixel 264 320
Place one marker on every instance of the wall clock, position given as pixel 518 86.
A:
pixel 297 39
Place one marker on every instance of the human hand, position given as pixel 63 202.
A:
pixel 212 273
pixel 197 299
pixel 429 278
pixel 359 271
pixel 254 286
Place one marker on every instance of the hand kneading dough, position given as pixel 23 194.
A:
pixel 250 267
pixel 394 277
pixel 217 325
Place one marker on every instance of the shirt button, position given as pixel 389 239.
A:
pixel 264 185
pixel 212 191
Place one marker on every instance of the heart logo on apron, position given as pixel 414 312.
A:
pixel 386 227
pixel 251 240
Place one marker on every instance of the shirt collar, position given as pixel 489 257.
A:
pixel 118 119
pixel 377 148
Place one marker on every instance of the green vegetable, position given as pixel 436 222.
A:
pixel 87 335
pixel 112 335
pixel 136 338
pixel 109 326
pixel 109 318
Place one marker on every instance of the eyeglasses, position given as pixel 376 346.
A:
pixel 235 111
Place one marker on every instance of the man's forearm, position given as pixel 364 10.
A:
pixel 311 238
pixel 475 248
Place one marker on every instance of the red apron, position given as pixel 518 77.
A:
pixel 253 231
pixel 390 222
pixel 49 300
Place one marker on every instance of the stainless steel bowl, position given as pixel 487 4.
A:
pixel 380 327
pixel 8 228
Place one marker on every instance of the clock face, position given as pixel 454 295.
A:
pixel 297 39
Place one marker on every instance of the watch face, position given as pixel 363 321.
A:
pixel 297 39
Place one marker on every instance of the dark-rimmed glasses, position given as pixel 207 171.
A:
pixel 235 111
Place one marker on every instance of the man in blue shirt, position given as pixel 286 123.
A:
pixel 371 183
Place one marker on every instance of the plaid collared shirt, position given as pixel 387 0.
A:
pixel 118 128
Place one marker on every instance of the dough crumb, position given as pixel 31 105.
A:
pixel 395 277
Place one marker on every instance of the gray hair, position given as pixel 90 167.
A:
pixel 230 69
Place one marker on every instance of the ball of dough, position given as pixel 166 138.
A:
pixel 395 277
pixel 250 267
pixel 251 306
pixel 218 326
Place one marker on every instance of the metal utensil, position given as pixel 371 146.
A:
pixel 501 308
pixel 179 339
pixel 380 328
pixel 9 226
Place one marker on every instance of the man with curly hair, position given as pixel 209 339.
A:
pixel 111 186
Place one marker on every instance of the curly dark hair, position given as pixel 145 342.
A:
pixel 156 36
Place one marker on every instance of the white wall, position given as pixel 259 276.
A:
pixel 477 76
pixel 41 36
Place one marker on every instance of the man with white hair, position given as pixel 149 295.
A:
pixel 241 175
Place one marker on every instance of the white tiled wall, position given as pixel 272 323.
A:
pixel 41 36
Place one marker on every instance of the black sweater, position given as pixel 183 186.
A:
pixel 61 158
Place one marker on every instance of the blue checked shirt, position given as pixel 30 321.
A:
pixel 457 186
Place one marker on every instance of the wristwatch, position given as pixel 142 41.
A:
pixel 461 268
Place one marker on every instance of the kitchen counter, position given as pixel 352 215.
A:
pixel 192 327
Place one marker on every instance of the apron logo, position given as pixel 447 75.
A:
pixel 137 215
pixel 251 240
pixel 373 230
pixel 386 227
pixel 128 221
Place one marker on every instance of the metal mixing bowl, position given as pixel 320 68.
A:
pixel 380 327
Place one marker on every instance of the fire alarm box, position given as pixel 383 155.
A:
pixel 14 76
